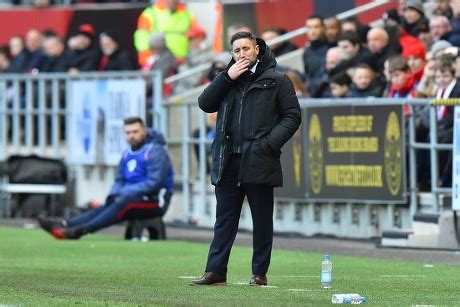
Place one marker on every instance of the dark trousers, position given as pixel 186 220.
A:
pixel 112 213
pixel 230 198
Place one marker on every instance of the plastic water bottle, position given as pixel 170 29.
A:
pixel 326 272
pixel 348 298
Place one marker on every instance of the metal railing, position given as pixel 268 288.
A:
pixel 34 109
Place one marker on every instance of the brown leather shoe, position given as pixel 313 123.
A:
pixel 209 279
pixel 258 280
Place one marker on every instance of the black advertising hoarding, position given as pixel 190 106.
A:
pixel 355 153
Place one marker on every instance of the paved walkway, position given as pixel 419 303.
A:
pixel 332 246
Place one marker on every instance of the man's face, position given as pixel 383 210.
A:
pixel 172 4
pixel 245 49
pixel 333 28
pixel 268 35
pixel 332 59
pixel 338 90
pixel 443 78
pixel 376 41
pixel 348 48
pixel 438 28
pixel 53 47
pixel 108 45
pixel 135 134
pixel 33 40
pixel 399 78
pixel 411 16
pixel 415 64
pixel 362 78
pixel 315 29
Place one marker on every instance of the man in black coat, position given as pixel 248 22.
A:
pixel 258 112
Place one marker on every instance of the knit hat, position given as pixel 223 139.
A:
pixel 440 45
pixel 196 32
pixel 157 40
pixel 416 5
pixel 87 29
pixel 414 50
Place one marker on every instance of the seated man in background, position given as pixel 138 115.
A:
pixel 144 169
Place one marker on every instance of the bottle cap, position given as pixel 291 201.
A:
pixel 326 257
pixel 363 299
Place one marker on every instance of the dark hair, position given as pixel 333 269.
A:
pixel 352 37
pixel 5 51
pixel 243 34
pixel 317 17
pixel 398 63
pixel 340 78
pixel 279 31
pixel 365 66
pixel 133 120
pixel 354 20
pixel 446 66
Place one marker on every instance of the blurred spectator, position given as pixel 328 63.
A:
pixel 315 52
pixel 335 62
pixel 391 18
pixel 114 57
pixel 333 30
pixel 16 45
pixel 296 80
pixel 426 87
pixel 5 59
pixel 441 29
pixel 161 57
pixel 354 52
pixel 340 84
pixel 443 8
pixel 416 61
pixel 402 83
pixel 414 20
pixel 352 24
pixel 438 49
pixel 200 53
pixel 169 17
pixel 378 42
pixel 57 57
pixel 31 57
pixel 279 48
pixel 448 87
pixel 84 56
pixel 364 82
pixel 211 119
pixel 218 65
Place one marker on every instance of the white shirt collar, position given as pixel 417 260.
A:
pixel 253 69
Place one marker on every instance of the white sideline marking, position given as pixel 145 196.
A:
pixel 187 277
pixel 428 265
pixel 403 276
pixel 241 283
pixel 269 286
pixel 300 276
pixel 297 290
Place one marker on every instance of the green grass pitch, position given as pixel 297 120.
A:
pixel 37 270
